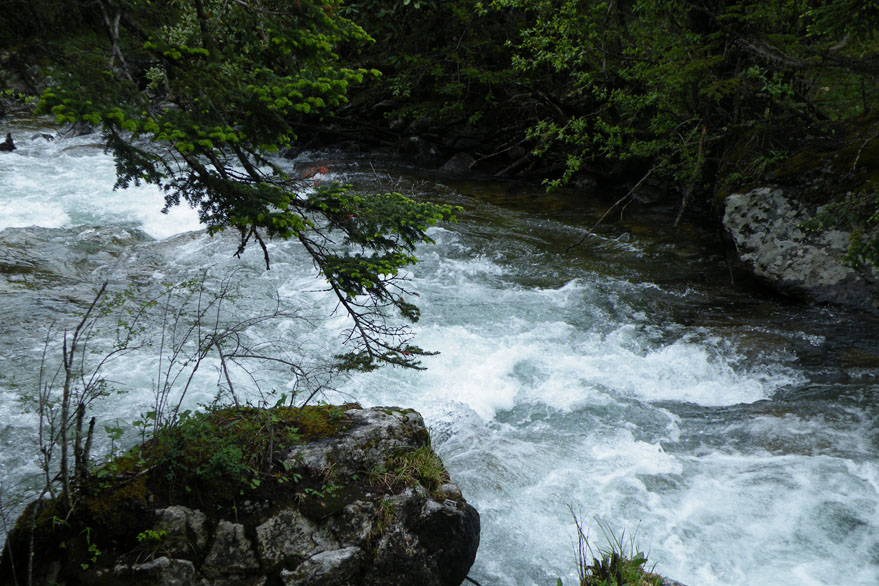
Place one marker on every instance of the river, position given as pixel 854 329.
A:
pixel 627 379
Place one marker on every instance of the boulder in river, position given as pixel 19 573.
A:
pixel 459 164
pixel 8 145
pixel 362 501
pixel 765 227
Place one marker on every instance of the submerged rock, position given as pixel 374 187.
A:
pixel 8 145
pixel 460 164
pixel 379 518
pixel 764 226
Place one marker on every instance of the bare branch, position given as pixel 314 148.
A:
pixel 609 210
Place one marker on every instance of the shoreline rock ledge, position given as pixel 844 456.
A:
pixel 375 523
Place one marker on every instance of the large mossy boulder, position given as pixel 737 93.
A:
pixel 314 496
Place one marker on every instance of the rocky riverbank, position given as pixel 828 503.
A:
pixel 362 501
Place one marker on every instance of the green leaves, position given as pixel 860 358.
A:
pixel 378 221
pixel 363 275
pixel 257 64
pixel 681 85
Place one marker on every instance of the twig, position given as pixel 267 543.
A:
pixel 503 150
pixel 113 32
pixel 861 150
pixel 3 513
pixel 515 166
pixel 700 160
pixel 609 210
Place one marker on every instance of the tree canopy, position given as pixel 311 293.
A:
pixel 682 84
pixel 705 96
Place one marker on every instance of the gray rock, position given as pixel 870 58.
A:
pixel 8 145
pixel 449 533
pixel 424 542
pixel 372 534
pixel 163 570
pixel 375 433
pixel 355 523
pixel 415 538
pixel 338 567
pixel 231 552
pixel 763 225
pixel 395 561
pixel 186 530
pixel 290 535
pixel 450 490
pixel 422 149
pixel 460 164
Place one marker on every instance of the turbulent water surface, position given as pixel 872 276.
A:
pixel 624 379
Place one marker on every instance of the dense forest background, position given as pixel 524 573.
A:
pixel 693 98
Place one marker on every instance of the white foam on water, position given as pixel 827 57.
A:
pixel 513 353
pixel 542 399
pixel 691 372
pixel 715 519
pixel 621 456
pixel 526 478
pixel 868 472
pixel 791 434
pixel 762 519
pixel 509 354
pixel 70 183
pixel 27 212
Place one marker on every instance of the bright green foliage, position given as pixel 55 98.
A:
pixel 237 445
pixel 240 448
pixel 152 542
pixel 382 230
pixel 195 95
pixel 225 83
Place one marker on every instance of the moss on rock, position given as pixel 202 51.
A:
pixel 234 467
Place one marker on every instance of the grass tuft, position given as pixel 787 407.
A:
pixel 619 563
pixel 410 467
